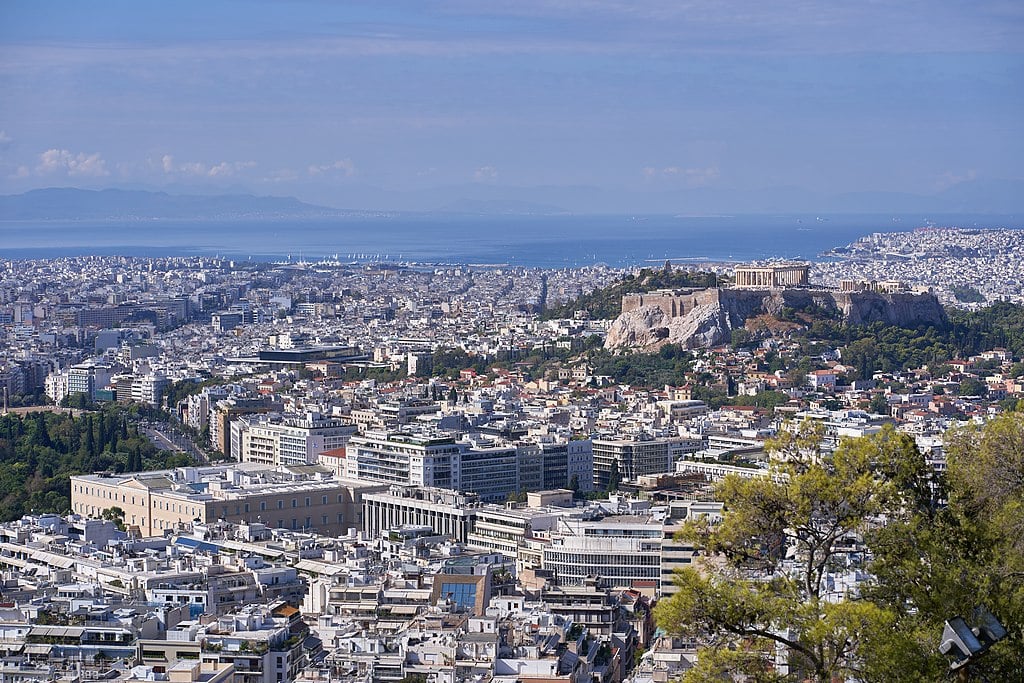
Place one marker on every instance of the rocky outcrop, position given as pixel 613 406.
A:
pixel 702 326
pixel 708 317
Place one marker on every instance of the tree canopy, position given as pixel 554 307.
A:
pixel 39 451
pixel 759 600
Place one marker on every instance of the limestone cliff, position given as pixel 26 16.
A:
pixel 703 318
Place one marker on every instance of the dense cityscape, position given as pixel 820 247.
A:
pixel 512 342
pixel 374 472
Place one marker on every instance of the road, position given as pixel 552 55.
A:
pixel 169 440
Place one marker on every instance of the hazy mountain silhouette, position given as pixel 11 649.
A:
pixel 73 204
pixel 976 197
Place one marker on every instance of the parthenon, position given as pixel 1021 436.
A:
pixel 778 275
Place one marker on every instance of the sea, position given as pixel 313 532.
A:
pixel 558 241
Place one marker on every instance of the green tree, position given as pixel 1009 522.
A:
pixel 115 515
pixel 879 405
pixel 744 600
pixel 932 564
pixel 614 477
pixel 35 477
pixel 973 387
pixel 739 337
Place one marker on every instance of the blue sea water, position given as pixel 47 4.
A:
pixel 533 241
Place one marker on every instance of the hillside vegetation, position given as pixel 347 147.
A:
pixel 606 303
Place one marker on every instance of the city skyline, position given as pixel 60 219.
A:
pixel 662 106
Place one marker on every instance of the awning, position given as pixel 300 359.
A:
pixel 53 559
pixel 401 609
pixel 315 567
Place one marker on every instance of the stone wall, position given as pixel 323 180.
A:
pixel 672 302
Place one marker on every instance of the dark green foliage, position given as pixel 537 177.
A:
pixel 178 391
pixel 766 399
pixel 968 295
pixel 614 477
pixel 1000 325
pixel 739 338
pixel 973 387
pixel 382 375
pixel 39 451
pixel 666 366
pixel 448 363
pixel 34 398
pixel 885 348
pixel 879 405
pixel 933 563
pixel 606 303
pixel 880 347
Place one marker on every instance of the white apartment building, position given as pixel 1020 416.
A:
pixel 149 388
pixel 83 378
pixel 287 440
pixel 421 459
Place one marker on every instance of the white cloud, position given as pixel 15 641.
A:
pixel 76 165
pixel 5 139
pixel 199 169
pixel 344 166
pixel 485 173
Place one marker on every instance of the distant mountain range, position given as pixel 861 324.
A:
pixel 1002 197
pixel 73 204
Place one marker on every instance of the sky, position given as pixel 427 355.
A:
pixel 415 104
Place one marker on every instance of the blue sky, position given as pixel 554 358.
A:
pixel 396 105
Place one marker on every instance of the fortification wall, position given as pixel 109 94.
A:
pixel 673 303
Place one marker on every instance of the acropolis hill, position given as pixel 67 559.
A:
pixel 700 318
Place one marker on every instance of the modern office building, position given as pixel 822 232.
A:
pixel 472 463
pixel 429 459
pixel 548 464
pixel 488 468
pixel 86 378
pixel 149 388
pixel 634 457
pixel 227 410
pixel 617 551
